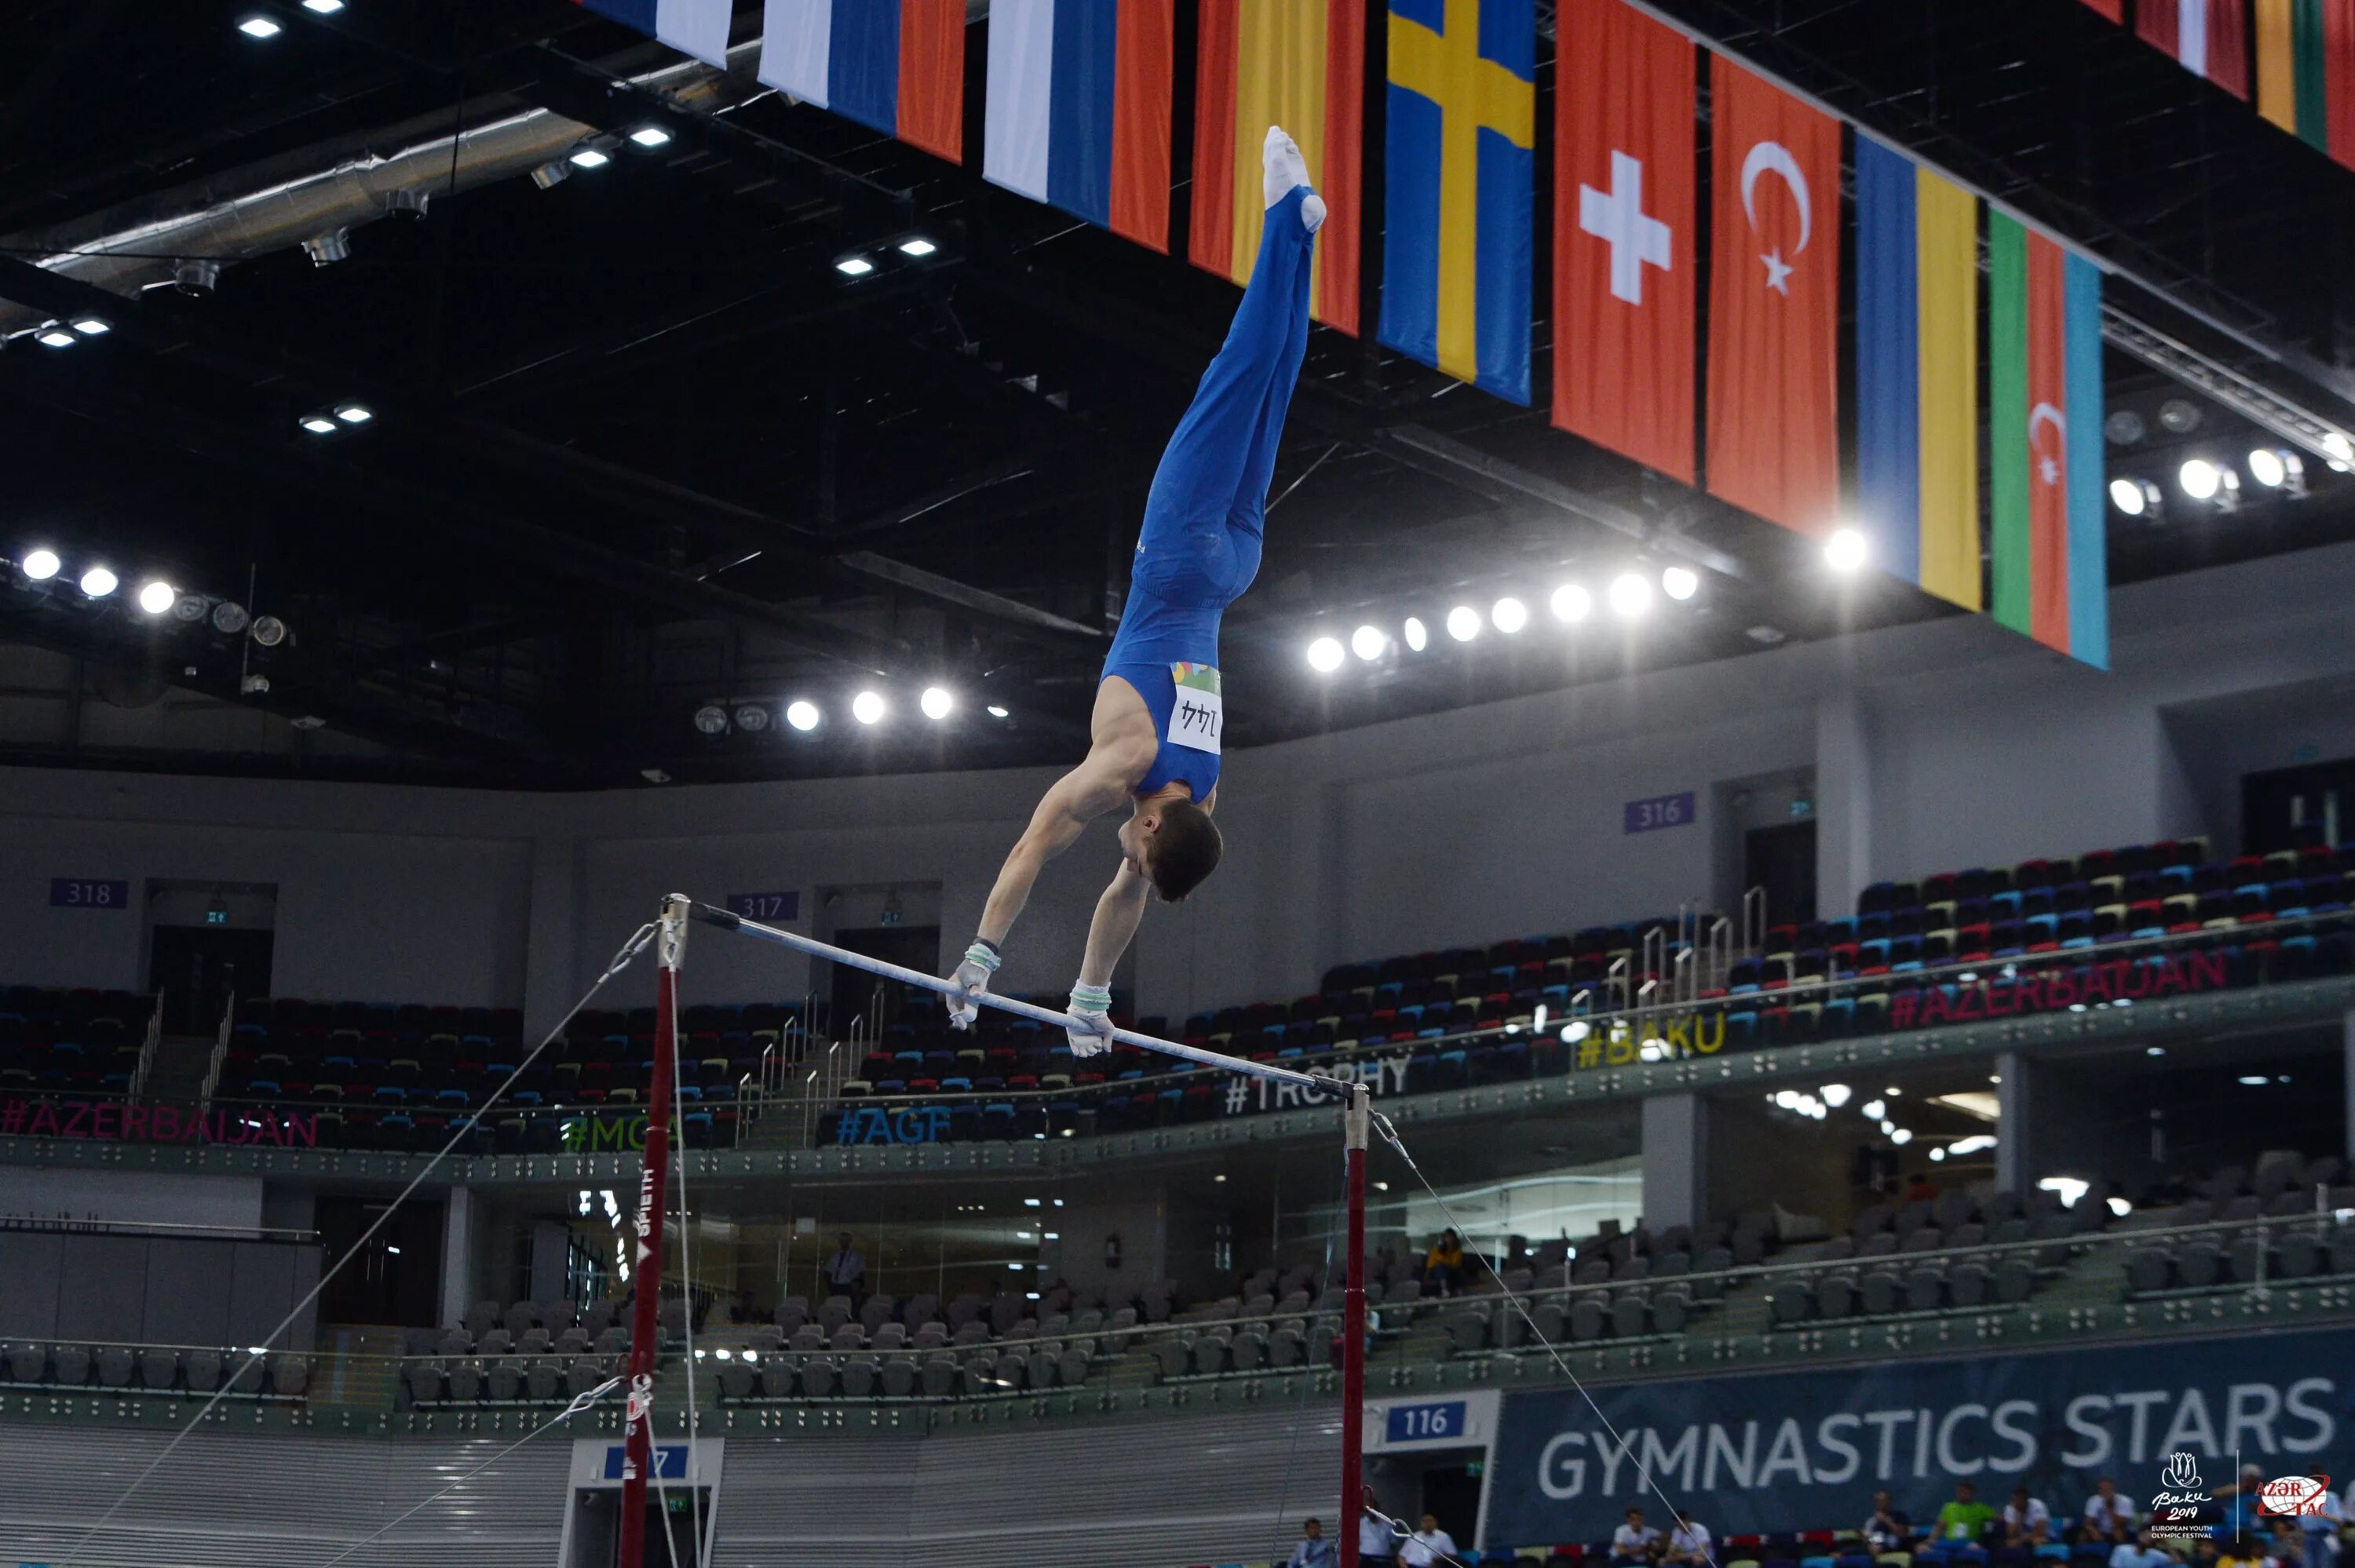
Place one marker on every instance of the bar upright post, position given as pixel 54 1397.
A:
pixel 1357 1123
pixel 645 1269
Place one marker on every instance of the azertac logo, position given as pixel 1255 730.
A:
pixel 2175 1509
pixel 2289 1495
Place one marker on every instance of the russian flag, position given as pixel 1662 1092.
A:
pixel 1079 109
pixel 895 65
pixel 698 28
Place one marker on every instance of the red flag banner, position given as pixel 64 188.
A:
pixel 1774 339
pixel 2115 10
pixel 1623 220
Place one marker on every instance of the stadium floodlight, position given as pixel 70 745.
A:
pixel 259 27
pixel 1324 655
pixel 867 707
pixel 319 424
pixel 1846 550
pixel 801 714
pixel 2278 468
pixel 711 719
pixel 1464 623
pixel 1902 1137
pixel 997 712
pixel 157 596
pixel 1509 615
pixel 917 245
pixel 650 136
pixel 1836 1095
pixel 751 718
pixel 40 563
pixel 2204 480
pixel 1368 643
pixel 55 337
pixel 590 158
pixel 91 326
pixel 854 266
pixel 354 413
pixel 99 582
pixel 2127 495
pixel 1631 595
pixel 1572 603
pixel 1418 636
pixel 937 702
pixel 1680 583
pixel 1873 1110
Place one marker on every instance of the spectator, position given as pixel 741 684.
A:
pixel 2239 1499
pixel 1442 1265
pixel 1958 1536
pixel 2026 1525
pixel 1377 1542
pixel 1888 1529
pixel 845 1271
pixel 1428 1545
pixel 1634 1541
pixel 1314 1550
pixel 1688 1543
pixel 2288 1548
pixel 2141 1551
pixel 1921 1189
pixel 2321 1528
pixel 2109 1517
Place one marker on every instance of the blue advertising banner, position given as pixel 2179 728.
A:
pixel 1807 1450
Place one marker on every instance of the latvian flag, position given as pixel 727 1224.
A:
pixel 2208 38
pixel 698 28
pixel 897 66
pixel 1079 109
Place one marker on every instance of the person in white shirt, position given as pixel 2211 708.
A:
pixel 2109 1517
pixel 1377 1542
pixel 2026 1521
pixel 1427 1546
pixel 1633 1541
pixel 1688 1543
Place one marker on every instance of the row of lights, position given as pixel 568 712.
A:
pixel 858 264
pixel 2219 483
pixel 1832 1096
pixel 260 24
pixel 343 416
pixel 66 334
pixel 156 596
pixel 868 707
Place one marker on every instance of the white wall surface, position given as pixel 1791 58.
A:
pixel 1951 743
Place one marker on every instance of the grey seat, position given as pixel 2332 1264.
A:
pixel 940 1377
pixel 847 1338
pixel 114 1365
pixel 519 1319
pixel 737 1380
pixel 858 1377
pixel 1248 1353
pixel 1669 1312
pixel 251 1374
pixel 1552 1320
pixel 1169 1351
pixel 543 1378
pixel 1209 1355
pixel 834 1312
pixel 1071 1368
pixel 503 1381
pixel 203 1370
pixel 69 1365
pixel 1880 1289
pixel 2298 1255
pixel 1012 1372
pixel 1968 1285
pixel 2249 1260
pixel 1468 1329
pixel 1589 1320
pixel 980 1374
pixel 898 1377
pixel 2197 1262
pixel 465 1380
pixel 1629 1315
pixel 2014 1280
pixel 778 1380
pixel 1793 1303
pixel 1925 1289
pixel 1043 1367
pixel 290 1375
pixel 28 1362
pixel 428 1385
pixel 818 1378
pixel 583 1373
pixel 159 1368
pixel 1834 1296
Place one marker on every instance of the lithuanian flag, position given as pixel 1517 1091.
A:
pixel 2306 72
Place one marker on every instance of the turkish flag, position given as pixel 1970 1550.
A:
pixel 1773 308
pixel 1623 244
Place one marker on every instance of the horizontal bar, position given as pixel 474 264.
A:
pixel 729 921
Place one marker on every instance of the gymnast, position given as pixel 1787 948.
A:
pixel 1159 712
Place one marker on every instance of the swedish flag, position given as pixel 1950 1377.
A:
pixel 1458 188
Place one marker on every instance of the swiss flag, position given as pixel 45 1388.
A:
pixel 1623 217
pixel 1773 336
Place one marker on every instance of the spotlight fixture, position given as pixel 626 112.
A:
pixel 867 707
pixel 269 632
pixel 55 337
pixel 654 775
pixel 1464 623
pixel 917 245
pixel 1846 550
pixel 751 718
pixel 319 424
pixel 1767 636
pixel 1902 1137
pixel 854 266
pixel 1836 1095
pixel 711 719
pixel 2200 479
pixel 1572 603
pixel 2127 495
pixel 192 607
pixel 354 413
pixel 2179 417
pixel 1509 615
pixel 1631 595
pixel 1873 1110
pixel 1680 583
pixel 651 136
pixel 937 702
pixel 2276 469
pixel 230 618
pixel 259 27
pixel 801 714
pixel 1324 655
pixel 2124 427
pixel 1368 643
pixel 2341 450
pixel 99 582
pixel 996 712
pixel 157 596
pixel 40 565
pixel 587 157
pixel 323 7
pixel 326 250
pixel 1418 636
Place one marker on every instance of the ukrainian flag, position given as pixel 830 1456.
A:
pixel 1459 188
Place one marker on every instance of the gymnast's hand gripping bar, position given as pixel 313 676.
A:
pixel 1335 1089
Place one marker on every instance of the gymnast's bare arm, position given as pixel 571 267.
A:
pixel 1122 748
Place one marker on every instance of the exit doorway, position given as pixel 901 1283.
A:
pixel 197 968
pixel 855 993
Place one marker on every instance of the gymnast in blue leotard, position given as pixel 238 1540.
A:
pixel 1160 710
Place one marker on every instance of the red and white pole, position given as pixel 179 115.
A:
pixel 1357 1123
pixel 645 1269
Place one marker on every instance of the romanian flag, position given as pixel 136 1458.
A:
pixel 1078 113
pixel 2208 38
pixel 698 28
pixel 1459 188
pixel 1917 361
pixel 897 66
pixel 1300 64
pixel 2051 575
pixel 2306 72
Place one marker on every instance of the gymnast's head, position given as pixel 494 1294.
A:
pixel 1174 844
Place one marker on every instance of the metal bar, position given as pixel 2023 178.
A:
pixel 727 921
pixel 1356 1125
pixel 645 1278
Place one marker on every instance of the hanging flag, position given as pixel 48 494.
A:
pixel 2046 547
pixel 2115 10
pixel 698 28
pixel 2208 38
pixel 2306 72
pixel 1624 214
pixel 1917 358
pixel 1077 111
pixel 1773 336
pixel 1300 64
pixel 1459 188
pixel 896 66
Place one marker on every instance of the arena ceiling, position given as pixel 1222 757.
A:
pixel 639 447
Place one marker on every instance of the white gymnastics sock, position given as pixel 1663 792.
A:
pixel 1284 169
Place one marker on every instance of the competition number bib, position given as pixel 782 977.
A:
pixel 1197 715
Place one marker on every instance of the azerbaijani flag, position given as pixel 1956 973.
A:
pixel 1459 188
pixel 2306 72
pixel 1917 359
pixel 1078 113
pixel 698 28
pixel 897 66
pixel 2050 573
pixel 1300 64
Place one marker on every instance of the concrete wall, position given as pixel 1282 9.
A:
pixel 1933 746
